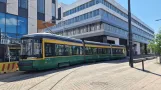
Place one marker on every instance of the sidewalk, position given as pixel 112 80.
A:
pixel 118 78
pixel 110 75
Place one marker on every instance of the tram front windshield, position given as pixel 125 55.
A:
pixel 31 48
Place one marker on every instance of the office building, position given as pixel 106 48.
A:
pixel 102 21
pixel 21 17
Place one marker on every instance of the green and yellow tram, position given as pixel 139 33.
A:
pixel 47 51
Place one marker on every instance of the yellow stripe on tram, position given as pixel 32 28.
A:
pixel 61 42
pixel 119 47
pixel 97 46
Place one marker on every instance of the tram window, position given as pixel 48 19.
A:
pixel 117 51
pixel 109 51
pixel 81 50
pixel 114 51
pixel 89 51
pixel 76 50
pixel 99 50
pixel 49 50
pixel 121 51
pixel 104 51
pixel 37 48
pixel 59 50
pixel 68 50
pixel 94 50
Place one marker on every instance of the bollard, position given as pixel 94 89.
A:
pixel 143 65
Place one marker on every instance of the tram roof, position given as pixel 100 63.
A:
pixel 58 37
pixel 51 36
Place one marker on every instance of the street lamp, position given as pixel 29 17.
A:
pixel 130 35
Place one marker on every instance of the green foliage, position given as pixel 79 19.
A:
pixel 155 45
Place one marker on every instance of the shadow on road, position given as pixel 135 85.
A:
pixel 148 72
pixel 30 75
pixel 35 74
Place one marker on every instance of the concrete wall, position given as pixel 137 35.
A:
pixel 48 10
pixel 137 47
pixel 114 39
pixel 12 7
pixel 32 16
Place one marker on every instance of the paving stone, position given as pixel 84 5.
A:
pixel 111 75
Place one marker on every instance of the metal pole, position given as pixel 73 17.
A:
pixel 143 65
pixel 130 35
pixel 0 36
pixel 63 26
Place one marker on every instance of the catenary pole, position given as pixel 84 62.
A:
pixel 130 35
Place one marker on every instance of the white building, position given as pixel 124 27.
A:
pixel 102 21
pixel 20 17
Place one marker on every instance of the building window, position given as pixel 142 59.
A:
pixel 22 26
pixel 23 3
pixel 2 22
pixel 3 1
pixel 53 9
pixel 41 6
pixel 53 1
pixel 11 23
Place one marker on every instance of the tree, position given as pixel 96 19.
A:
pixel 152 46
pixel 155 45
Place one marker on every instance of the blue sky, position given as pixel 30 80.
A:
pixel 146 10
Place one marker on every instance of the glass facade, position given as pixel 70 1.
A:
pixel 53 9
pixel 41 6
pixel 22 26
pixel 123 24
pixel 2 22
pixel 103 26
pixel 3 1
pixel 12 28
pixel 79 18
pixel 11 23
pixel 109 18
pixel 107 4
pixel 23 3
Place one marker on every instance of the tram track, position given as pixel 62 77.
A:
pixel 66 75
pixel 52 88
pixel 26 75
pixel 63 78
pixel 42 81
pixel 113 71
pixel 61 73
pixel 31 75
